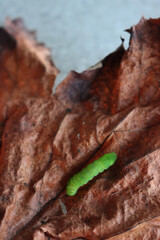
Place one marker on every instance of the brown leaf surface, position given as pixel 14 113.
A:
pixel 46 140
pixel 26 69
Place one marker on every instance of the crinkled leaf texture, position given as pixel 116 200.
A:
pixel 45 140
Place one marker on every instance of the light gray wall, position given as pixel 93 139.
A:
pixel 79 32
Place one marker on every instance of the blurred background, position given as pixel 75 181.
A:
pixel 79 32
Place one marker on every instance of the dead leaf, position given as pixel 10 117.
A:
pixel 47 140
pixel 26 69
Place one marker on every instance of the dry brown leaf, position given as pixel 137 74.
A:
pixel 47 140
pixel 26 69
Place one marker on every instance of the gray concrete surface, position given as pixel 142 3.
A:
pixel 79 32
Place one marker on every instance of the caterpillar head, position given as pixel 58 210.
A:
pixel 70 190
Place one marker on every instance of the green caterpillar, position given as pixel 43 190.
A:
pixel 89 172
